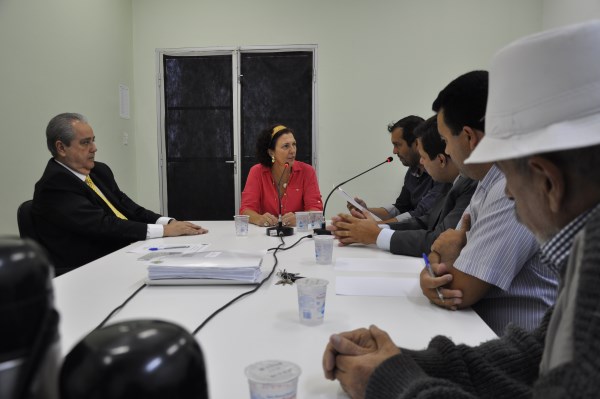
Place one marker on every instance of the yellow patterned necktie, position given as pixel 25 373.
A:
pixel 89 182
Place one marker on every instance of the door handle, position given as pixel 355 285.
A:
pixel 234 162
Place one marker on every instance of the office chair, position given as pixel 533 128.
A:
pixel 25 221
pixel 27 230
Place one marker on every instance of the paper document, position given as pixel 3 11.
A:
pixel 378 286
pixel 351 200
pixel 398 264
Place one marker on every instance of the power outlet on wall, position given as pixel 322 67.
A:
pixel 125 138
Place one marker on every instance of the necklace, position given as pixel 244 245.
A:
pixel 282 179
pixel 282 184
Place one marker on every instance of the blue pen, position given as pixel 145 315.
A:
pixel 156 249
pixel 428 267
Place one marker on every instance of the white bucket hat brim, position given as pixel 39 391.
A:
pixel 544 95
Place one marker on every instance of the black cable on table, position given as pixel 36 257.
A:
pixel 115 310
pixel 216 312
pixel 293 245
pixel 278 248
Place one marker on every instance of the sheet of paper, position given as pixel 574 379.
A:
pixel 148 247
pixel 351 200
pixel 378 286
pixel 124 102
pixel 156 254
pixel 399 264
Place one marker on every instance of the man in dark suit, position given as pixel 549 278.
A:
pixel 419 191
pixel 414 236
pixel 78 210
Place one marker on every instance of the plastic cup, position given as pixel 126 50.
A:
pixel 241 225
pixel 302 221
pixel 316 219
pixel 273 379
pixel 311 300
pixel 323 249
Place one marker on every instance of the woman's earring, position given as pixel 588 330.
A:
pixel 272 159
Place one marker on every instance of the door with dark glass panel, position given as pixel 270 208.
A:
pixel 276 87
pixel 213 107
pixel 198 123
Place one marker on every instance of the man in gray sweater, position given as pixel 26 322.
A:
pixel 543 132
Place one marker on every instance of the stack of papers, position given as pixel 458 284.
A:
pixel 210 267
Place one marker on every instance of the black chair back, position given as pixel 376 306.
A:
pixel 25 221
pixel 27 230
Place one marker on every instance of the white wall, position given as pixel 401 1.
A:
pixel 378 61
pixel 60 56
pixel 562 12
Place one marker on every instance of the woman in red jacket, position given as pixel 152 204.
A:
pixel 279 174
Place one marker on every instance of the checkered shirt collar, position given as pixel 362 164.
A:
pixel 556 251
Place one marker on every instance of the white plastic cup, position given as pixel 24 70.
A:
pixel 302 221
pixel 316 219
pixel 323 249
pixel 311 300
pixel 241 225
pixel 273 379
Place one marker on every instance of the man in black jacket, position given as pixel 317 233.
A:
pixel 78 210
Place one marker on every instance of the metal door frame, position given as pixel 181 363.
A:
pixel 235 53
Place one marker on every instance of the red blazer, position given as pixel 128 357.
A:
pixel 302 192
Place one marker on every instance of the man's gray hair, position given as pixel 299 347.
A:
pixel 60 128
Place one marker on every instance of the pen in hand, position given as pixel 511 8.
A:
pixel 430 271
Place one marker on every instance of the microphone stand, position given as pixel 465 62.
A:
pixel 280 230
pixel 323 230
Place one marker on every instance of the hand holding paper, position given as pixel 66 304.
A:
pixel 356 204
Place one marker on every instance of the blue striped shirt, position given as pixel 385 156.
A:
pixel 503 253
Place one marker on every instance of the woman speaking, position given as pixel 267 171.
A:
pixel 278 174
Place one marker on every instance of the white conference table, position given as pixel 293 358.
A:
pixel 261 326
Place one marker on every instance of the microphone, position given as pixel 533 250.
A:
pixel 323 230
pixel 280 230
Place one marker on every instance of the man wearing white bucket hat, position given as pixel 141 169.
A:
pixel 543 131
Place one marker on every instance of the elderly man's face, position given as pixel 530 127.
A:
pixel 525 187
pixel 79 154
